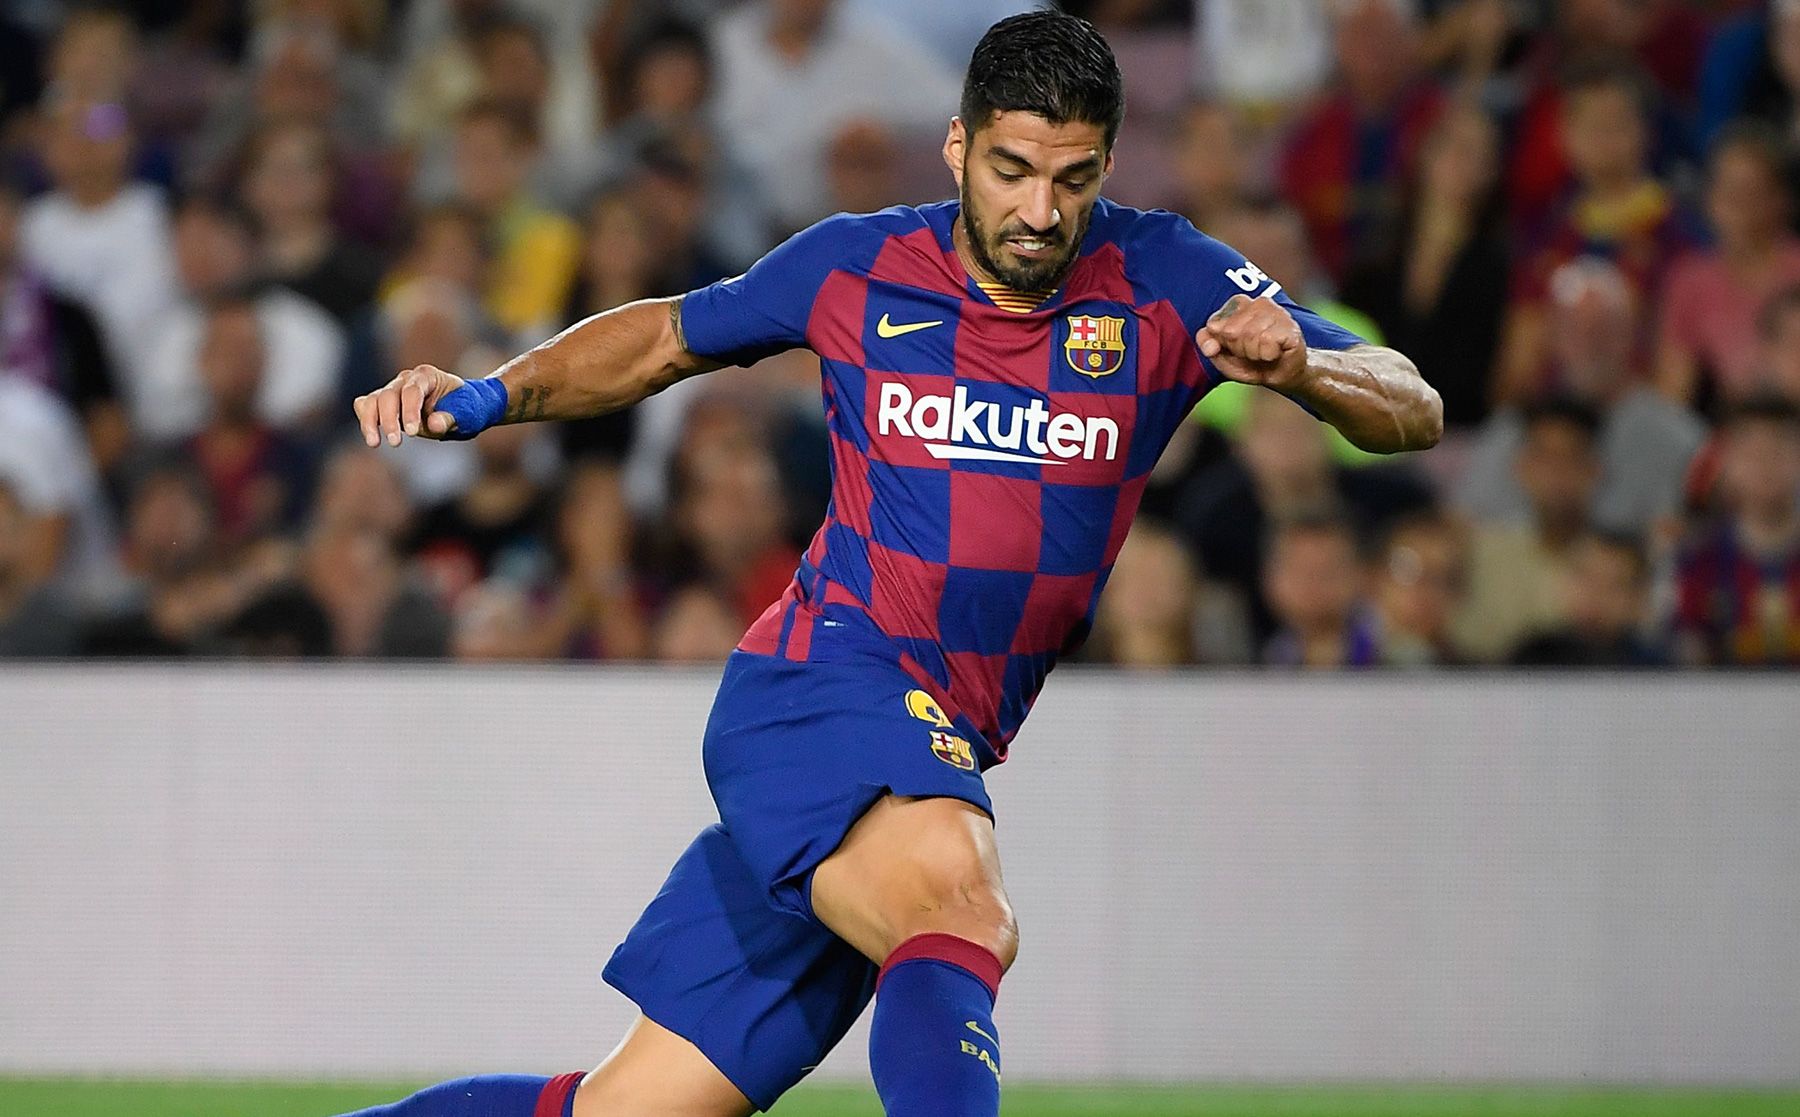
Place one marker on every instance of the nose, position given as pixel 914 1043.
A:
pixel 1039 211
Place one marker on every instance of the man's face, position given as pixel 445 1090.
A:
pixel 1760 469
pixel 1604 133
pixel 1312 579
pixel 1028 188
pixel 231 361
pixel 1559 470
pixel 1606 590
pixel 491 162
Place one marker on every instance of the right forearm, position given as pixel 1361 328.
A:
pixel 601 364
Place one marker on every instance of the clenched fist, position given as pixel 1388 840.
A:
pixel 1254 341
pixel 407 406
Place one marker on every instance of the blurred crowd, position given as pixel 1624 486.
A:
pixel 221 221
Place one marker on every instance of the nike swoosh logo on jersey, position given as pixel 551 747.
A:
pixel 886 328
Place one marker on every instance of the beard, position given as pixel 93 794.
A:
pixel 1025 276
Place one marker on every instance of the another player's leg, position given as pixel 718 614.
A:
pixel 916 887
pixel 653 1073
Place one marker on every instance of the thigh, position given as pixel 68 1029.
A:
pixel 760 993
pixel 656 1073
pixel 916 866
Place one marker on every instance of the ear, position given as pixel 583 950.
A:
pixel 1106 168
pixel 956 149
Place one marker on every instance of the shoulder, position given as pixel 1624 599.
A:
pixel 851 240
pixel 1164 253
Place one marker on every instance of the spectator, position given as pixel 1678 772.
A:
pixel 1605 598
pixel 46 464
pixel 729 514
pixel 496 526
pixel 289 189
pixel 1715 296
pixel 1211 147
pixel 34 620
pixel 360 488
pixel 1146 617
pixel 1778 336
pixel 1281 470
pixel 617 267
pixel 1738 581
pixel 256 477
pixel 215 255
pixel 1313 589
pixel 1345 162
pixel 494 621
pixel 1418 581
pixel 1437 289
pixel 535 249
pixel 55 343
pixel 600 608
pixel 671 193
pixel 1646 443
pixel 861 168
pixel 697 626
pixel 1617 211
pixel 1515 569
pixel 376 609
pixel 793 72
pixel 98 238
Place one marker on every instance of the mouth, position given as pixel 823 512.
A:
pixel 1033 248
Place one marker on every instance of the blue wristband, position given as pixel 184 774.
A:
pixel 476 406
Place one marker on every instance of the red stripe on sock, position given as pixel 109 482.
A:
pixel 959 952
pixel 555 1095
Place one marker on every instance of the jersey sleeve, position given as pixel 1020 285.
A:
pixel 1201 274
pixel 765 311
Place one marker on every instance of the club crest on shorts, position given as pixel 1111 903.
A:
pixel 1095 346
pixel 952 750
pixel 925 708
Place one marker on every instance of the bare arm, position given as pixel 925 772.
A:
pixel 601 364
pixel 1373 395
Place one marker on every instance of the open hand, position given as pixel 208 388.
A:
pixel 406 406
pixel 1254 341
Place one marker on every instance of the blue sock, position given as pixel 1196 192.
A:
pixel 933 1047
pixel 491 1095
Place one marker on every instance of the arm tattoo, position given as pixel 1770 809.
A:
pixel 529 406
pixel 675 324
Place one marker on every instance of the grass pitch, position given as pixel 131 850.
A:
pixel 38 1097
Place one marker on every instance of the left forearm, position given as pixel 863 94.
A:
pixel 1374 396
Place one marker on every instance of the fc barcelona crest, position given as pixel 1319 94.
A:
pixel 1096 346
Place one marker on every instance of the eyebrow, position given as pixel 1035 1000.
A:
pixel 1085 166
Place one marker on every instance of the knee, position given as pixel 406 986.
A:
pixel 960 893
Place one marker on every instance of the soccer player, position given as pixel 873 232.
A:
pixel 1000 374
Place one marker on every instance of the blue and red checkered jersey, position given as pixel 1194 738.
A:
pixel 987 454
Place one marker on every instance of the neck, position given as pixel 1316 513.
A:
pixel 296 246
pixel 91 195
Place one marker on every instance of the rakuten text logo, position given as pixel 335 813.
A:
pixel 953 426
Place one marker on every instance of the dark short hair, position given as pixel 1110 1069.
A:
pixel 1048 63
pixel 1566 410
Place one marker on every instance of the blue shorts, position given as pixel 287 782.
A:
pixel 728 954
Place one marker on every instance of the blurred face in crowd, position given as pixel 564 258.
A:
pixel 514 69
pixel 618 261
pixel 1594 328
pixel 860 168
pixel 697 626
pixel 670 82
pixel 93 56
pixel 1211 153
pixel 212 250
pixel 88 149
pixel 594 524
pixel 354 575
pixel 1028 188
pixel 361 490
pixel 1615 23
pixel 1420 579
pixel 290 179
pixel 493 622
pixel 169 526
pixel 447 246
pixel 1606 589
pixel 297 77
pixel 1312 578
pixel 1559 470
pixel 732 510
pixel 1760 470
pixel 1376 43
pixel 673 202
pixel 1461 159
pixel 1604 134
pixel 1746 199
pixel 1283 447
pixel 1275 239
pixel 231 360
pixel 1148 606
pixel 492 160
